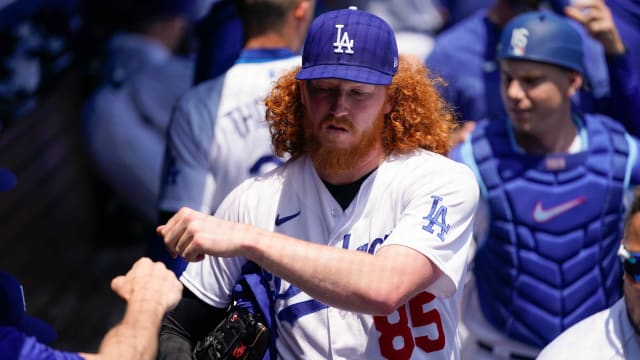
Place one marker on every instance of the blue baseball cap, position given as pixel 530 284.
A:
pixel 13 311
pixel 542 36
pixel 7 180
pixel 352 45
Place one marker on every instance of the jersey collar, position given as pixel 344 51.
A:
pixel 263 55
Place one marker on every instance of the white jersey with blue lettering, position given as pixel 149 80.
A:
pixel 607 334
pixel 423 201
pixel 218 136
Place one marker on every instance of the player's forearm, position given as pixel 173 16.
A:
pixel 136 336
pixel 350 280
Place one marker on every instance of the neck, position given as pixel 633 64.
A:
pixel 558 140
pixel 269 41
pixel 364 167
pixel 167 32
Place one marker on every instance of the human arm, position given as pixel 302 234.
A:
pixel 316 269
pixel 621 101
pixel 597 19
pixel 350 280
pixel 183 326
pixel 149 290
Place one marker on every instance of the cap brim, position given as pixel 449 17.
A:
pixel 7 180
pixel 345 72
pixel 41 330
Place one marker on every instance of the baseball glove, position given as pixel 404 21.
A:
pixel 239 336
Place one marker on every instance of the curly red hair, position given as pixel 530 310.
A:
pixel 420 118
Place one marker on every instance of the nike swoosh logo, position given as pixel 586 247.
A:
pixel 541 215
pixel 284 219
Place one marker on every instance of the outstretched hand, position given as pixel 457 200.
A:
pixel 147 280
pixel 192 234
pixel 596 17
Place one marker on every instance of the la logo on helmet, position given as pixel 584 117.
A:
pixel 342 40
pixel 519 40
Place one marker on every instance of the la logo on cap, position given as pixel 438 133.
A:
pixel 342 40
pixel 519 40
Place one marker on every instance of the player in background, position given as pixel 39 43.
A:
pixel 613 333
pixel 464 55
pixel 626 15
pixel 126 118
pixel 217 136
pixel 363 235
pixel 220 39
pixel 553 182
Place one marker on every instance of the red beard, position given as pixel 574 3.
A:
pixel 337 160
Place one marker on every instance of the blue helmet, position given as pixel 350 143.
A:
pixel 544 37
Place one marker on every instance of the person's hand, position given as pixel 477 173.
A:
pixel 147 280
pixel 192 234
pixel 596 17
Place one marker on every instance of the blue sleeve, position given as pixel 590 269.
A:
pixel 15 345
pixel 613 88
pixel 456 154
pixel 220 40
pixel 634 161
pixel 624 102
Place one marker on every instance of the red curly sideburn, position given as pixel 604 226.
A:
pixel 420 118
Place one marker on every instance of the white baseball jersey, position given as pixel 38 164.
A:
pixel 423 201
pixel 607 334
pixel 218 135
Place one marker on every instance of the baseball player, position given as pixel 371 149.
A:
pixel 465 57
pixel 125 119
pixel 217 136
pixel 613 333
pixel 363 235
pixel 553 182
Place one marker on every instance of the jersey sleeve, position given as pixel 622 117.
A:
pixel 437 220
pixel 186 176
pixel 17 345
pixel 634 160
pixel 625 92
pixel 212 279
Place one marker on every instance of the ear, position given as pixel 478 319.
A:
pixel 302 9
pixel 389 102
pixel 575 82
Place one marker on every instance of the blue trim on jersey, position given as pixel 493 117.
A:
pixel 632 159
pixel 295 311
pixel 582 132
pixel 466 154
pixel 253 56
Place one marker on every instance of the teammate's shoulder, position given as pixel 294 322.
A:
pixel 467 29
pixel 203 93
pixel 601 344
pixel 427 162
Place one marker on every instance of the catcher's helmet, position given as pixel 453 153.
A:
pixel 542 36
